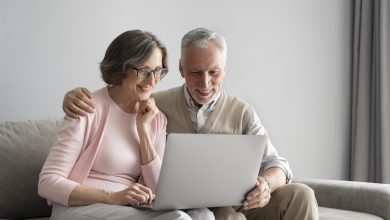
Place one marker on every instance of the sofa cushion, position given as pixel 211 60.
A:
pixel 23 149
pixel 339 214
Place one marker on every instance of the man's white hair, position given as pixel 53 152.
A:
pixel 200 37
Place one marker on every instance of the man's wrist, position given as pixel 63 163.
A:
pixel 267 181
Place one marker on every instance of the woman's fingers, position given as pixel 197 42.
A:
pixel 146 106
pixel 148 191
pixel 142 193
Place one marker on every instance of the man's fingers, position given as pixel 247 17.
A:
pixel 258 201
pixel 87 99
pixel 86 92
pixel 84 102
pixel 252 201
pixel 71 114
pixel 254 205
pixel 255 192
pixel 77 109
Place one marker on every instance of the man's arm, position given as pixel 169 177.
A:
pixel 78 102
pixel 271 158
pixel 275 178
pixel 274 172
pixel 266 184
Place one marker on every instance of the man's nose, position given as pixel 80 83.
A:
pixel 205 79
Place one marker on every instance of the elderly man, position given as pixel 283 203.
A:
pixel 202 106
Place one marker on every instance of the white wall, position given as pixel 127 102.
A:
pixel 289 59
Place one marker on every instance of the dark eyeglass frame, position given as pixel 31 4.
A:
pixel 147 72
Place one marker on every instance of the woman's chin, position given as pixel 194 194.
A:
pixel 144 96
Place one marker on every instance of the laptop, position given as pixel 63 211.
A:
pixel 208 170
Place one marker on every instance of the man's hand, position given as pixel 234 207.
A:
pixel 78 102
pixel 259 196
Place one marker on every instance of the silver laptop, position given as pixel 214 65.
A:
pixel 208 170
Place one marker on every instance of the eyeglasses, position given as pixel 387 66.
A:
pixel 144 72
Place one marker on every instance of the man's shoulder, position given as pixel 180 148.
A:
pixel 234 100
pixel 168 92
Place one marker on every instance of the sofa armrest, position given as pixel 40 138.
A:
pixel 365 197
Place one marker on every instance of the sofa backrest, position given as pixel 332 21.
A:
pixel 23 150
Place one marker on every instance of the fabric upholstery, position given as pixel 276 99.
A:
pixel 24 147
pixel 339 214
pixel 372 198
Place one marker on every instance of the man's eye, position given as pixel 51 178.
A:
pixel 213 72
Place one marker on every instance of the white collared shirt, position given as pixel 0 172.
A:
pixel 199 115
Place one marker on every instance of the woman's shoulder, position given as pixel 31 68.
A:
pixel 101 97
pixel 101 100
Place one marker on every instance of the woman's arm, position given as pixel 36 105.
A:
pixel 53 182
pixel 151 121
pixel 135 194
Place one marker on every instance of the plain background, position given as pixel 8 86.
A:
pixel 289 59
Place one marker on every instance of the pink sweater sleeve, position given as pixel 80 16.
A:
pixel 53 182
pixel 151 171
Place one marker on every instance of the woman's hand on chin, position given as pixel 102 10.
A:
pixel 147 110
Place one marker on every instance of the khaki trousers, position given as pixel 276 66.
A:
pixel 293 201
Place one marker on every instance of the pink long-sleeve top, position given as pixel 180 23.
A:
pixel 100 150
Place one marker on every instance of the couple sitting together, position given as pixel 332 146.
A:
pixel 109 153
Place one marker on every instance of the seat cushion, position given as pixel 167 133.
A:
pixel 339 214
pixel 23 149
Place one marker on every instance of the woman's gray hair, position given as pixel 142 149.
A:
pixel 200 37
pixel 130 49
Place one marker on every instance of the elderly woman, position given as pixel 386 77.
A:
pixel 110 159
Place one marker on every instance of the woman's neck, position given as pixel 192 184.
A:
pixel 127 102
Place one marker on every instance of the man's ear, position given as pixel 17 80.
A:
pixel 224 71
pixel 181 69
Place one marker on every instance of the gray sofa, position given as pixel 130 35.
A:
pixel 24 146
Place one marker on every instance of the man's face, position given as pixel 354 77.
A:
pixel 203 70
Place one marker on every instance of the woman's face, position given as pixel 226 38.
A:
pixel 142 88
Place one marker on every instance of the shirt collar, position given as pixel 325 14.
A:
pixel 190 102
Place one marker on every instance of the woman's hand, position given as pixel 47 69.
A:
pixel 147 110
pixel 134 195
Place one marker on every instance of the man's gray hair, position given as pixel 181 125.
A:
pixel 200 37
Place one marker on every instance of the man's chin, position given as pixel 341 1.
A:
pixel 203 101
